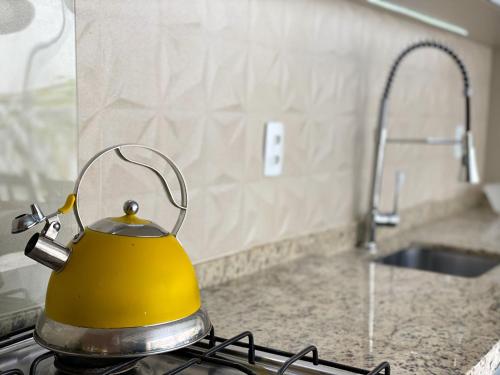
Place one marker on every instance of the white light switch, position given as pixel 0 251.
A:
pixel 274 143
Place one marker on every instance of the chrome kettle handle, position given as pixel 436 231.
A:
pixel 118 149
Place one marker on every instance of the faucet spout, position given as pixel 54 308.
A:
pixel 470 171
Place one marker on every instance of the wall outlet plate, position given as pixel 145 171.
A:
pixel 274 145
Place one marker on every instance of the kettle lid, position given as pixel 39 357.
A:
pixel 129 224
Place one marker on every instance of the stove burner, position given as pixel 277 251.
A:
pixel 72 365
pixel 237 354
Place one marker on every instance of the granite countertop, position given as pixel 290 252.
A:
pixel 360 313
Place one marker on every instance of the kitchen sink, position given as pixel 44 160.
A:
pixel 442 259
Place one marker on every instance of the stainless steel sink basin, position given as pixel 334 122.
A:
pixel 442 259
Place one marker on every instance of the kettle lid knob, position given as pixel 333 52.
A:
pixel 130 207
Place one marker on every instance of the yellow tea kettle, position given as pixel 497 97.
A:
pixel 124 286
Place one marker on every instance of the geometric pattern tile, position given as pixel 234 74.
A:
pixel 198 79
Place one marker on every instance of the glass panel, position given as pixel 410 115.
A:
pixel 38 139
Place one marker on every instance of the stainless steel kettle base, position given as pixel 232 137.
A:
pixel 121 342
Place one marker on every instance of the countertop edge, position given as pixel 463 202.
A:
pixel 489 363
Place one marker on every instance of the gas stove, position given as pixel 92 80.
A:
pixel 21 355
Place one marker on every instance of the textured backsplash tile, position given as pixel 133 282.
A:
pixel 198 79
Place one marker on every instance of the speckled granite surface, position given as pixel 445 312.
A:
pixel 360 313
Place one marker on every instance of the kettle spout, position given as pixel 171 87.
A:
pixel 47 252
pixel 42 247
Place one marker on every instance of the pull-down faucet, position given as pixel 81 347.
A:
pixel 469 168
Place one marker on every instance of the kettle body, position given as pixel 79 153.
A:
pixel 119 281
pixel 124 286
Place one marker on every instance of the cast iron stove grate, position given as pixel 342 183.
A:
pixel 237 355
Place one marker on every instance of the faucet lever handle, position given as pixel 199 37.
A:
pixel 400 180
